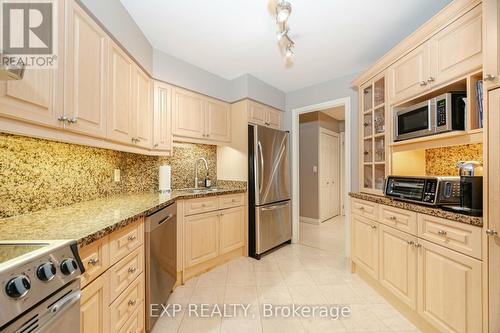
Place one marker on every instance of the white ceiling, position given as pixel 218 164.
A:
pixel 337 112
pixel 235 37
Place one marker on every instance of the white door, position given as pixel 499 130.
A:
pixel 329 174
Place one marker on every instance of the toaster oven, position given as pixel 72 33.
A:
pixel 434 191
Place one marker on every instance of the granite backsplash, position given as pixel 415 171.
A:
pixel 38 174
pixel 443 161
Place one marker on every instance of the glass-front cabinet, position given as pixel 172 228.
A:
pixel 373 137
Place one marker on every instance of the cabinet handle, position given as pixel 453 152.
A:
pixel 423 83
pixel 411 243
pixel 362 208
pixel 62 118
pixel 393 218
pixel 489 77
pixel 491 232
pixel 373 226
pixel 417 245
pixel 366 124
pixel 132 270
pixel 156 145
pixel 431 79
pixel 93 261
pixel 132 302
pixel 366 152
pixel 132 238
pixel 442 232
pixel 73 120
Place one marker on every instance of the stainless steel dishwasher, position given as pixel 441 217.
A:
pixel 161 259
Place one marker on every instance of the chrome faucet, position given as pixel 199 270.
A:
pixel 196 170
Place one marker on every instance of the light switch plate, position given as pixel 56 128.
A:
pixel 117 176
pixel 315 169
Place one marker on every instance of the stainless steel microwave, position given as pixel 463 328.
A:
pixel 441 114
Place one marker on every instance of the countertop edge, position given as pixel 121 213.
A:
pixel 433 211
pixel 87 240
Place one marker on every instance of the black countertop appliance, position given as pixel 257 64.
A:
pixel 471 189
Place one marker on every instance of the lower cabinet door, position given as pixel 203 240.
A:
pixel 202 240
pixel 94 310
pixel 398 264
pixel 232 229
pixel 365 244
pixel 449 285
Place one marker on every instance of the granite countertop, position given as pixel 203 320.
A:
pixel 434 211
pixel 88 221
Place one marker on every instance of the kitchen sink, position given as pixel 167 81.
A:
pixel 203 190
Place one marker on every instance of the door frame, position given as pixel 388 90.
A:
pixel 346 103
pixel 323 130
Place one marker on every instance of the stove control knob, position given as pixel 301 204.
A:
pixel 46 272
pixel 69 266
pixel 18 287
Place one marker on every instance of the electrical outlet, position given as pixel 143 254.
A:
pixel 117 176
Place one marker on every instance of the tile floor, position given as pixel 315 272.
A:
pixel 294 274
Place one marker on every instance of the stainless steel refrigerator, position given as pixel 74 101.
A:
pixel 270 211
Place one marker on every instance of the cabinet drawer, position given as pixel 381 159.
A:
pixel 457 236
pixel 397 218
pixel 95 258
pixel 135 323
pixel 125 271
pixel 124 241
pixel 126 304
pixel 230 201
pixel 202 205
pixel 364 208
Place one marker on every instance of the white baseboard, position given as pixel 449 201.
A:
pixel 309 220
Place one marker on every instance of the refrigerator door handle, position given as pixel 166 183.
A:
pixel 261 180
pixel 277 206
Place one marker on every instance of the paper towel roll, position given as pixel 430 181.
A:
pixel 164 178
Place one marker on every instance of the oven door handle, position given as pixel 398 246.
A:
pixel 60 307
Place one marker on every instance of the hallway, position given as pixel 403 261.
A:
pixel 328 236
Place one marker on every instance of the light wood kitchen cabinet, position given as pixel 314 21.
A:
pixel 232 229
pixel 365 244
pixel 86 70
pixel 198 117
pixel 398 264
pixel 202 238
pixel 126 304
pixel 188 114
pixel 218 120
pixel 491 38
pixel 121 97
pixel 263 115
pixel 94 311
pixel 125 271
pixel 122 242
pixel 408 76
pixel 162 132
pixel 457 49
pixel 142 113
pixel 398 218
pixel 95 259
pixel 493 222
pixel 450 289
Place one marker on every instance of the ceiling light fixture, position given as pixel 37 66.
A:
pixel 283 11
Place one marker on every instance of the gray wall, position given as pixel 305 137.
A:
pixel 323 92
pixel 117 20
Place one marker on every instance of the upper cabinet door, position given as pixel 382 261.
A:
pixel 457 49
pixel 120 111
pixel 491 38
pixel 218 118
pixel 143 112
pixel 257 113
pixel 273 118
pixel 85 73
pixel 408 76
pixel 162 136
pixel 188 114
pixel 38 97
